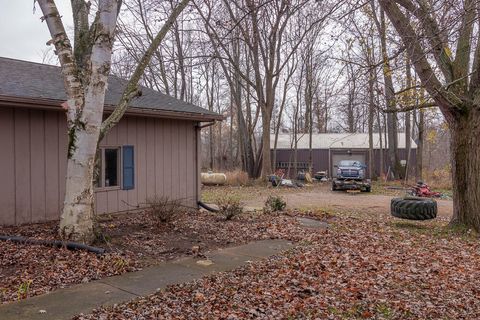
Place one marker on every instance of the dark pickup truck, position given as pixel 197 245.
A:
pixel 351 176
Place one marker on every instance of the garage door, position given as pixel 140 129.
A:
pixel 337 157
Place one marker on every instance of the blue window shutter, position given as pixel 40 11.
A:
pixel 128 168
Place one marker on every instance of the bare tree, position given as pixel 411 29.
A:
pixel 392 126
pixel 272 32
pixel 454 87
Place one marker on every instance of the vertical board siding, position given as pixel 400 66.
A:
pixel 37 165
pixel 22 155
pixel 33 163
pixel 52 181
pixel 141 164
pixel 191 166
pixel 159 145
pixel 62 158
pixel 150 158
pixel 165 162
pixel 7 166
pixel 167 157
pixel 321 159
pixel 182 155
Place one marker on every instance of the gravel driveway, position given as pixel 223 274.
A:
pixel 325 198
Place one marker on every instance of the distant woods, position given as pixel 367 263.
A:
pixel 288 66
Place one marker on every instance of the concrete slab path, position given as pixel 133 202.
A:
pixel 83 298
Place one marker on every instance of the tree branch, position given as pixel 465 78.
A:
pixel 63 50
pixel 131 89
pixel 410 108
pixel 437 41
pixel 447 102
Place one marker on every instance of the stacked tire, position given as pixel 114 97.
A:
pixel 413 208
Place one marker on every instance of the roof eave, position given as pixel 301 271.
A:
pixel 54 104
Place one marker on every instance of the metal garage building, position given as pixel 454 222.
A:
pixel 330 148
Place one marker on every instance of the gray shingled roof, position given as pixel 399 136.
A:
pixel 26 79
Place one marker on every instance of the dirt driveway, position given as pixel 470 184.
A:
pixel 325 198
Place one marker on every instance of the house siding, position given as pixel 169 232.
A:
pixel 33 163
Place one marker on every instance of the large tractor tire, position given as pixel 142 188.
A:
pixel 414 208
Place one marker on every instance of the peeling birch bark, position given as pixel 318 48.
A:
pixel 86 92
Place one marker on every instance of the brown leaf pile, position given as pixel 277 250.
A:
pixel 50 268
pixel 134 241
pixel 363 267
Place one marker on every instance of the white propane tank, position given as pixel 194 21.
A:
pixel 211 178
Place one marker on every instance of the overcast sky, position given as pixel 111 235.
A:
pixel 22 35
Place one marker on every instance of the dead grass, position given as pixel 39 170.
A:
pixel 440 178
pixel 211 194
pixel 237 178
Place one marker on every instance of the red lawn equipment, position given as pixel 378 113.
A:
pixel 423 190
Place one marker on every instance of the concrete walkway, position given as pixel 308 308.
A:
pixel 82 298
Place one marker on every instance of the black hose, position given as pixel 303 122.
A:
pixel 205 206
pixel 54 243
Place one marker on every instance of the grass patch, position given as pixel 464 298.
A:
pixel 384 310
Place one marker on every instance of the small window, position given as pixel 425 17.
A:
pixel 111 168
pixel 107 169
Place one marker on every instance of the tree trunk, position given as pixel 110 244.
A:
pixel 408 129
pixel 421 138
pixel 380 139
pixel 408 145
pixel 76 222
pixel 371 110
pixel 391 123
pixel 266 156
pixel 465 149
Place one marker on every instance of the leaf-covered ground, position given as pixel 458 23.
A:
pixel 134 241
pixel 366 266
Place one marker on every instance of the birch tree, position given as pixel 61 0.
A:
pixel 85 68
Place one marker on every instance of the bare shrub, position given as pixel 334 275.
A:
pixel 164 209
pixel 229 207
pixel 237 178
pixel 274 204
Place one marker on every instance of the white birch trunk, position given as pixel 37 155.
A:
pixel 76 220
pixel 85 86
pixel 84 114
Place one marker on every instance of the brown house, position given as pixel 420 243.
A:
pixel 154 150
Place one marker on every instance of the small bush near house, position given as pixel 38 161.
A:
pixel 237 178
pixel 229 207
pixel 274 204
pixel 163 209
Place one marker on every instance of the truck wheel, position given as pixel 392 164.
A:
pixel 413 208
pixel 334 187
pixel 368 189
